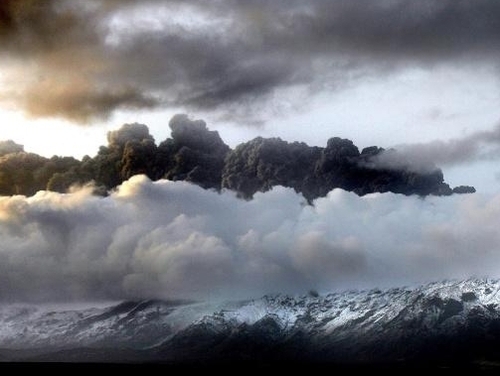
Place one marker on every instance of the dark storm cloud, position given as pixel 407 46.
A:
pixel 30 26
pixel 226 55
pixel 83 102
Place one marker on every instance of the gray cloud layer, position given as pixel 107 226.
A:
pixel 422 157
pixel 84 60
pixel 173 239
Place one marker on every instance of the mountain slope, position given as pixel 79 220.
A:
pixel 446 322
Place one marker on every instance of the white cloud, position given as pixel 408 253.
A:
pixel 173 239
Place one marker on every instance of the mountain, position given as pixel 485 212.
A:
pixel 446 324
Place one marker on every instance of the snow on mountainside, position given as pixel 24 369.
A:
pixel 443 320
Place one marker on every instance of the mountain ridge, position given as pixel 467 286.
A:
pixel 441 322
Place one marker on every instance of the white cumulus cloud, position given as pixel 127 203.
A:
pixel 176 240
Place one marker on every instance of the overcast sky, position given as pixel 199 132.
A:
pixel 384 73
pixel 422 76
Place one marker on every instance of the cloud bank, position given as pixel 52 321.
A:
pixel 174 239
pixel 89 59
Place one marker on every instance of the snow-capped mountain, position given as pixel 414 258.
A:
pixel 438 322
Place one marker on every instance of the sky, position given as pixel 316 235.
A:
pixel 421 76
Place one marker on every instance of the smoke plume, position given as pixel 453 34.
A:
pixel 198 155
pixel 423 157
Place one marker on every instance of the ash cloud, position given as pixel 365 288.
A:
pixel 424 157
pixel 198 155
pixel 174 239
pixel 100 56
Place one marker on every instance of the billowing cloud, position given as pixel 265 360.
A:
pixel 85 60
pixel 174 239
